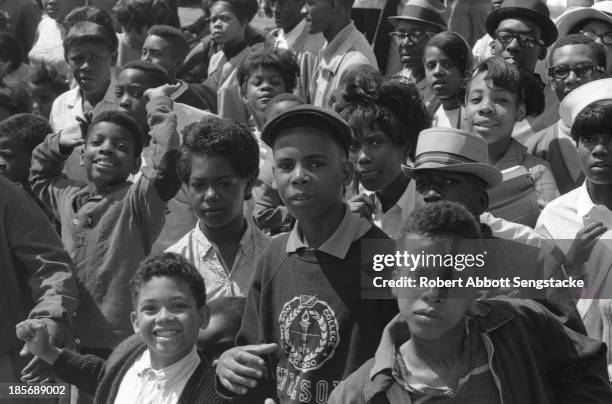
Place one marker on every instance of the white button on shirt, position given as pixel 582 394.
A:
pixel 144 385
pixel 198 250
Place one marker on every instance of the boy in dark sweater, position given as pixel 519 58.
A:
pixel 159 363
pixel 304 308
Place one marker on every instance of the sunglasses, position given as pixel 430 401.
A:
pixel 525 40
pixel 581 70
pixel 415 36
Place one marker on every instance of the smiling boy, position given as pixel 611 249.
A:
pixel 108 224
pixel 158 364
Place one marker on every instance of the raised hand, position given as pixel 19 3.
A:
pixel 165 90
pixel 583 243
pixel 240 368
pixel 362 204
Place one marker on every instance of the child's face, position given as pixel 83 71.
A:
pixel 443 77
pixel 108 155
pixel 159 51
pixel 216 191
pixel 90 64
pixel 225 27
pixel 264 84
pixel 573 55
pixel 491 111
pixel 595 157
pixel 43 96
pixel 377 161
pixel 310 172
pixel 58 9
pixel 129 90
pixel 287 13
pixel 14 160
pixel 463 188
pixel 318 15
pixel 431 312
pixel 167 319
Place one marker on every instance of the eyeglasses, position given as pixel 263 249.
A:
pixel 415 36
pixel 526 40
pixel 581 70
pixel 605 38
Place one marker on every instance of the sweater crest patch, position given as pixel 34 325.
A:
pixel 309 332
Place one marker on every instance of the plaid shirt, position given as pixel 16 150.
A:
pixel 516 155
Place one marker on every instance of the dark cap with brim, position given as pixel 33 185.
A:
pixel 308 116
pixel 533 10
pixel 415 13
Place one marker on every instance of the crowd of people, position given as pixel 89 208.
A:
pixel 189 211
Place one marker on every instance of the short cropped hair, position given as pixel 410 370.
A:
pixel 527 88
pixel 95 15
pixel 15 98
pixel 578 39
pixel 244 10
pixel 443 219
pixel 28 130
pixel 172 266
pixel 124 120
pixel 455 48
pixel 140 14
pixel 594 119
pixel 87 32
pixel 157 75
pixel 44 73
pixel 180 47
pixel 368 101
pixel 11 50
pixel 280 59
pixel 214 136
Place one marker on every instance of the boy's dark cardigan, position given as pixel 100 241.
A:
pixel 103 378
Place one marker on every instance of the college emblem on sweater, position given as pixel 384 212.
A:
pixel 309 332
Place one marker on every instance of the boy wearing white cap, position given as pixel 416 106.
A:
pixel 579 220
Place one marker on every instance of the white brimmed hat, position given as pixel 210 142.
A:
pixel 574 16
pixel 457 150
pixel 581 97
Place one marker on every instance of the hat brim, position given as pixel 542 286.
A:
pixel 307 116
pixel 394 19
pixel 547 26
pixel 489 174
pixel 572 17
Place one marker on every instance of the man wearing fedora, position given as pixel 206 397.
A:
pixel 418 22
pixel 452 164
pixel 522 31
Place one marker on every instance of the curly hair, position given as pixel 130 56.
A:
pixel 95 15
pixel 172 266
pixel 124 120
pixel 157 75
pixel 594 119
pixel 578 39
pixel 527 88
pixel 443 219
pixel 214 136
pixel 139 14
pixel 369 101
pixel 29 130
pixel 15 98
pixel 282 60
